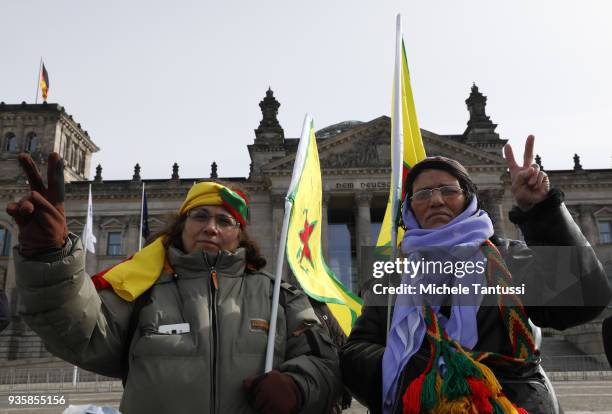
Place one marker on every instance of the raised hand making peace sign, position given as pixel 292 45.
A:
pixel 530 185
pixel 40 214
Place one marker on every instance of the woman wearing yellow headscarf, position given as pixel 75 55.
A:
pixel 184 321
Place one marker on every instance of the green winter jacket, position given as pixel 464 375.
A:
pixel 196 372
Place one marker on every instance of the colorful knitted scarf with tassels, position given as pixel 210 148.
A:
pixel 468 385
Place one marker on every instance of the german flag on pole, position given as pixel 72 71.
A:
pixel 44 82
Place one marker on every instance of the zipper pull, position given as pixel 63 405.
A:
pixel 213 272
pixel 215 279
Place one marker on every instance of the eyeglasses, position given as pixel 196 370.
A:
pixel 222 221
pixel 447 192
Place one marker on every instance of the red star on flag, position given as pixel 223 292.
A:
pixel 304 236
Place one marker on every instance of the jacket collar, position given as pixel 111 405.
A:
pixel 229 264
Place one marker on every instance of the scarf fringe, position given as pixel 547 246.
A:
pixel 506 405
pixel 429 395
pixel 480 396
pixel 412 396
pixel 460 406
pixel 468 385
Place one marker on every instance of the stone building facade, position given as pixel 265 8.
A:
pixel 355 161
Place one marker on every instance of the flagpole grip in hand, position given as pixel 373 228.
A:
pixel 274 393
pixel 40 214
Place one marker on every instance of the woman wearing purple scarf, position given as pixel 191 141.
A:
pixel 472 352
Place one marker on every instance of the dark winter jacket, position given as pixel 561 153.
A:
pixel 197 371
pixel 548 223
pixel 335 332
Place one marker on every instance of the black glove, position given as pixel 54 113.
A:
pixel 274 393
pixel 40 214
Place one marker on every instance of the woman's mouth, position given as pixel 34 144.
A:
pixel 439 215
pixel 208 243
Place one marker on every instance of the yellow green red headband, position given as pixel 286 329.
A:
pixel 209 193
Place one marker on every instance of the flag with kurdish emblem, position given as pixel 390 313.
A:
pixel 304 249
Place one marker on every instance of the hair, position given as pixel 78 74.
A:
pixel 449 165
pixel 173 232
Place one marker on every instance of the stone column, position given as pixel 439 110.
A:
pixel 324 220
pixel 62 139
pixel 131 235
pixel 587 223
pixel 20 134
pixel 363 228
pixel 278 211
pixel 278 214
pixel 363 219
pixel 9 282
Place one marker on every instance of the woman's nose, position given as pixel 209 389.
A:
pixel 436 198
pixel 211 226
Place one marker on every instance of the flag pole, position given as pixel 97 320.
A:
pixel 397 143
pixel 300 157
pixel 75 369
pixel 280 261
pixel 86 233
pixel 141 212
pixel 398 137
pixel 38 81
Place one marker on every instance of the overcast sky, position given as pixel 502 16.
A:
pixel 157 82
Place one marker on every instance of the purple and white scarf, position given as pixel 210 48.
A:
pixel 467 231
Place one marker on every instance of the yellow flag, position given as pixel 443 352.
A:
pixel 304 252
pixel 413 150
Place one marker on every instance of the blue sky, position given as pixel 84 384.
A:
pixel 156 83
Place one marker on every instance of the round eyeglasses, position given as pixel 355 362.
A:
pixel 222 221
pixel 447 192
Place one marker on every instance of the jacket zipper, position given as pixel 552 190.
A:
pixel 214 284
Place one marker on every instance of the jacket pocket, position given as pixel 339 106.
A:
pixel 156 344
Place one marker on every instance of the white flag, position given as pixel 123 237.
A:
pixel 88 238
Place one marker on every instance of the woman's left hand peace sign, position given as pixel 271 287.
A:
pixel 530 185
